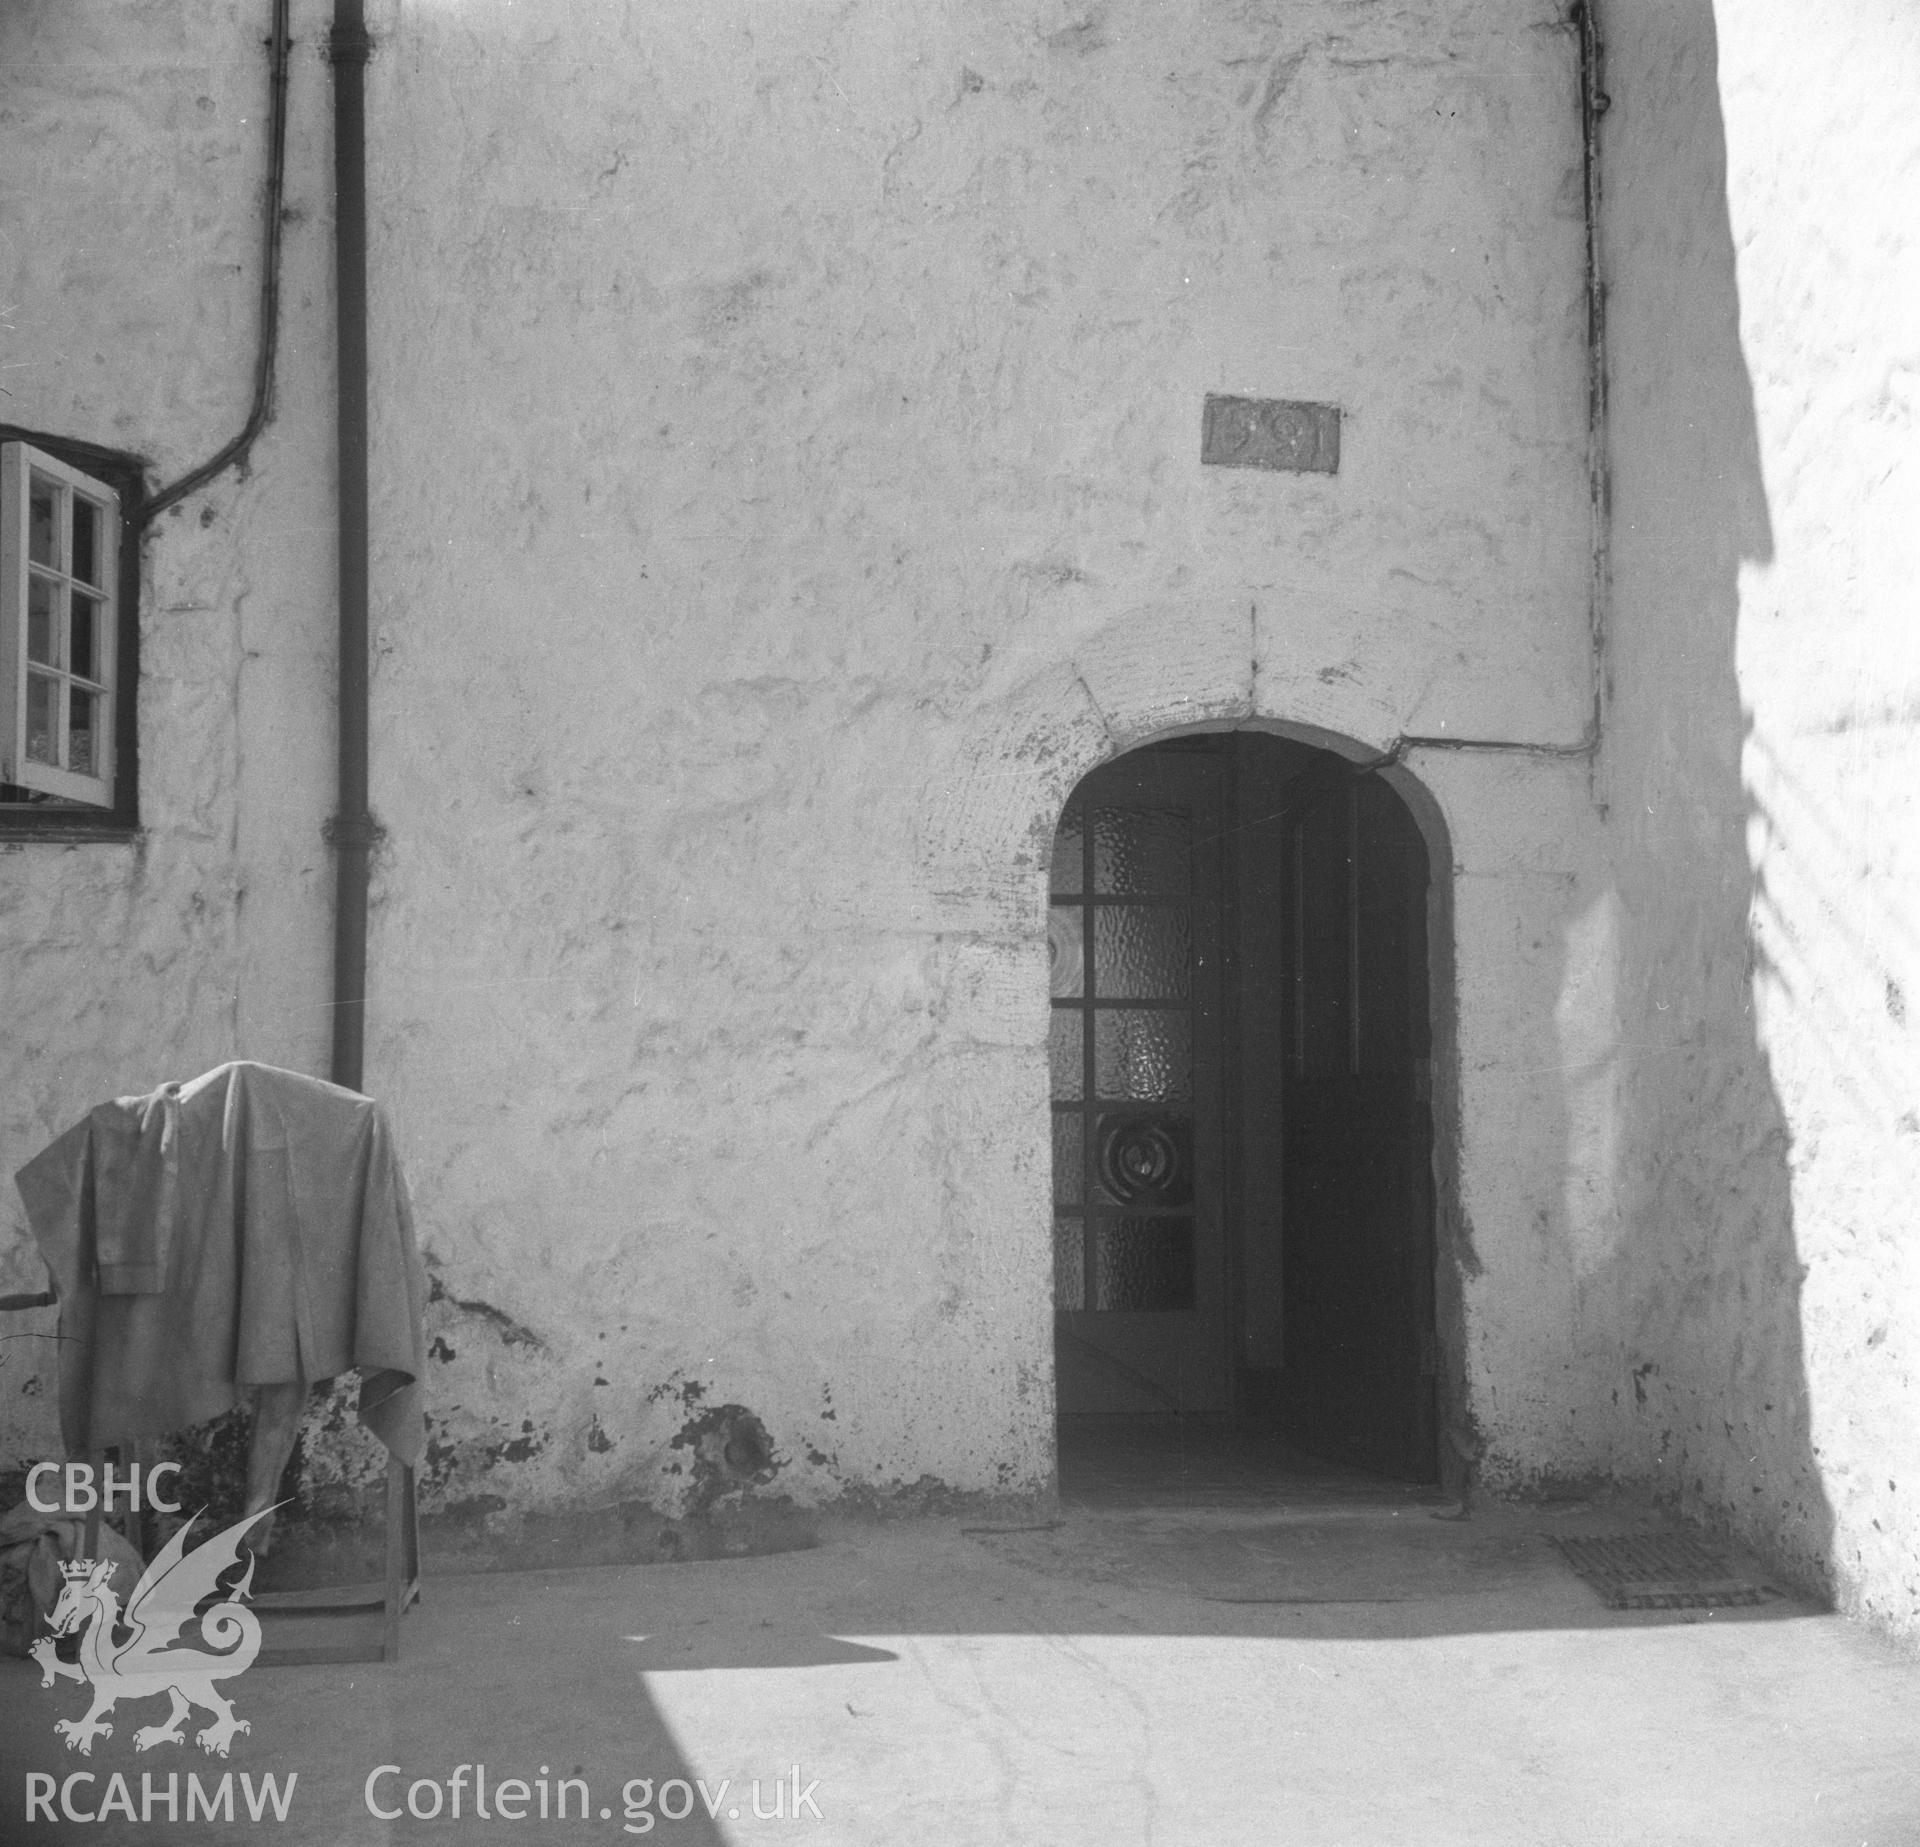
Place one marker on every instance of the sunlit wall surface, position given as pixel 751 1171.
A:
pixel 1764 171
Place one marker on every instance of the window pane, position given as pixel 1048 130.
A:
pixel 1069 1133
pixel 81 732
pixel 40 596
pixel 1066 951
pixel 1144 1160
pixel 1141 952
pixel 1068 861
pixel 1069 1266
pixel 1137 851
pixel 1143 1264
pixel 83 626
pixel 41 743
pixel 42 501
pixel 1143 1057
pixel 86 541
pixel 1064 1054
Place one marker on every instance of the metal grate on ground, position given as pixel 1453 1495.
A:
pixel 1659 1571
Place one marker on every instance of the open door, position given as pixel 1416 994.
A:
pixel 1243 1222
pixel 1356 1208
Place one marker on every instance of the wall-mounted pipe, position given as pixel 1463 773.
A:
pixel 352 829
pixel 279 45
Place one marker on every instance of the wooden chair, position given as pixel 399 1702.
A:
pixel 399 1587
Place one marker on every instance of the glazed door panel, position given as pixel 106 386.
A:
pixel 1139 1248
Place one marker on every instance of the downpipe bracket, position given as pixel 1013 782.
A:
pixel 350 44
pixel 355 833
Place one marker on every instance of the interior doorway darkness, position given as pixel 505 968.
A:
pixel 1242 1136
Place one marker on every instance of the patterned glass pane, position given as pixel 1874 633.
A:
pixel 42 499
pixel 1066 951
pixel 1069 864
pixel 40 596
pixel 83 625
pixel 41 737
pixel 86 541
pixel 1141 951
pixel 1143 1160
pixel 1069 1266
pixel 1142 1057
pixel 1141 851
pixel 1065 1055
pixel 81 732
pixel 1069 1139
pixel 1142 1264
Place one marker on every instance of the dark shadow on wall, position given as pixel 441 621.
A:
pixel 1713 1385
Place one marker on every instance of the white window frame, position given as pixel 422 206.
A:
pixel 20 462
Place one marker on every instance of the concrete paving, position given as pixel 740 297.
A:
pixel 1332 1664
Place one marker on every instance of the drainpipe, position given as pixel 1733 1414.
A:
pixel 352 829
pixel 279 44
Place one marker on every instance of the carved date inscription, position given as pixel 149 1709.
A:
pixel 1271 433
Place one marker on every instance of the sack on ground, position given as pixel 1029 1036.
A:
pixel 33 1546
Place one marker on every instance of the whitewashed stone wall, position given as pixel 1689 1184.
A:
pixel 786 486
pixel 810 495
pixel 129 274
pixel 1764 170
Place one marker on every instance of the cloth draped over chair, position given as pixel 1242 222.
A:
pixel 251 1227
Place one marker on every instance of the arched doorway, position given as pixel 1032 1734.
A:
pixel 1240 1056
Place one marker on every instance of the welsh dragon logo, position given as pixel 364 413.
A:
pixel 134 1656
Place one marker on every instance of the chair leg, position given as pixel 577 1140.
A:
pixel 411 1564
pixel 397 1525
pixel 135 1527
pixel 131 1524
pixel 97 1460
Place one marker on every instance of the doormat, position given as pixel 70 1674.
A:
pixel 1659 1571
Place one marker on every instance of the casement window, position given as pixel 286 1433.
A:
pixel 67 576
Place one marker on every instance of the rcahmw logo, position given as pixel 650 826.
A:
pixel 148 1662
pixel 196 1803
